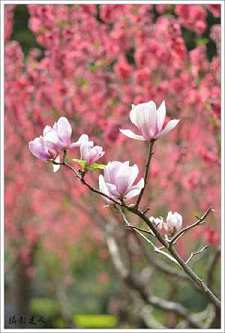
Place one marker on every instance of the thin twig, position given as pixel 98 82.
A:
pixel 193 276
pixel 147 166
pixel 142 230
pixel 136 285
pixel 155 248
pixel 159 265
pixel 194 253
pixel 200 221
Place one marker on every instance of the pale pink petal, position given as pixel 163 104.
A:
pixel 103 187
pixel 64 130
pixel 161 114
pixel 51 136
pixel 46 130
pixel 149 120
pixel 133 174
pixel 144 115
pixel 113 193
pixel 135 190
pixel 132 135
pixel 111 170
pixel 38 149
pixel 123 177
pixel 83 138
pixel 55 166
pixel 171 124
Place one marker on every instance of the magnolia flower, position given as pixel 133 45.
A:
pixel 60 134
pixel 118 181
pixel 90 153
pixel 54 140
pixel 45 151
pixel 158 221
pixel 149 121
pixel 173 222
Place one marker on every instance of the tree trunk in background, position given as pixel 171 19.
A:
pixel 21 294
pixel 17 303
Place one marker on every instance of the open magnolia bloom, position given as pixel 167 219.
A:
pixel 54 140
pixel 45 151
pixel 118 181
pixel 90 153
pixel 60 134
pixel 149 122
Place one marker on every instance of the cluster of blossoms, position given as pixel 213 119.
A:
pixel 119 178
pixel 57 139
pixel 109 69
pixel 172 224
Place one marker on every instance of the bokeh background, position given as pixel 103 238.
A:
pixel 90 63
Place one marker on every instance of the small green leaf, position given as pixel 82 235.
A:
pixel 95 166
pixel 92 167
pixel 82 163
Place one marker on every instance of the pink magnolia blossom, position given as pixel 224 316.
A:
pixel 149 121
pixel 60 134
pixel 54 139
pixel 90 153
pixel 174 222
pixel 43 149
pixel 118 181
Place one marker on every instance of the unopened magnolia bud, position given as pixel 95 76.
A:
pixel 173 222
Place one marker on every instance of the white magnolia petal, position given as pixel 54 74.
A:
pixel 64 129
pixel 103 187
pixel 135 189
pixel 51 136
pixel 149 120
pixel 171 124
pixel 82 139
pixel 144 116
pixel 133 174
pixel 111 171
pixel 161 114
pixel 46 130
pixel 132 135
pixel 56 167
pixel 141 184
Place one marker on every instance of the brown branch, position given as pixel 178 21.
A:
pixel 168 245
pixel 135 285
pixel 160 266
pixel 147 166
pixel 194 253
pixel 132 227
pixel 193 276
pixel 200 221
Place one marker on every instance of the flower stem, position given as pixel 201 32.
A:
pixel 147 166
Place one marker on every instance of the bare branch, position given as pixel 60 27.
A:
pixel 172 255
pixel 195 253
pixel 135 285
pixel 155 248
pixel 200 221
pixel 161 266
pixel 147 166
pixel 142 230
